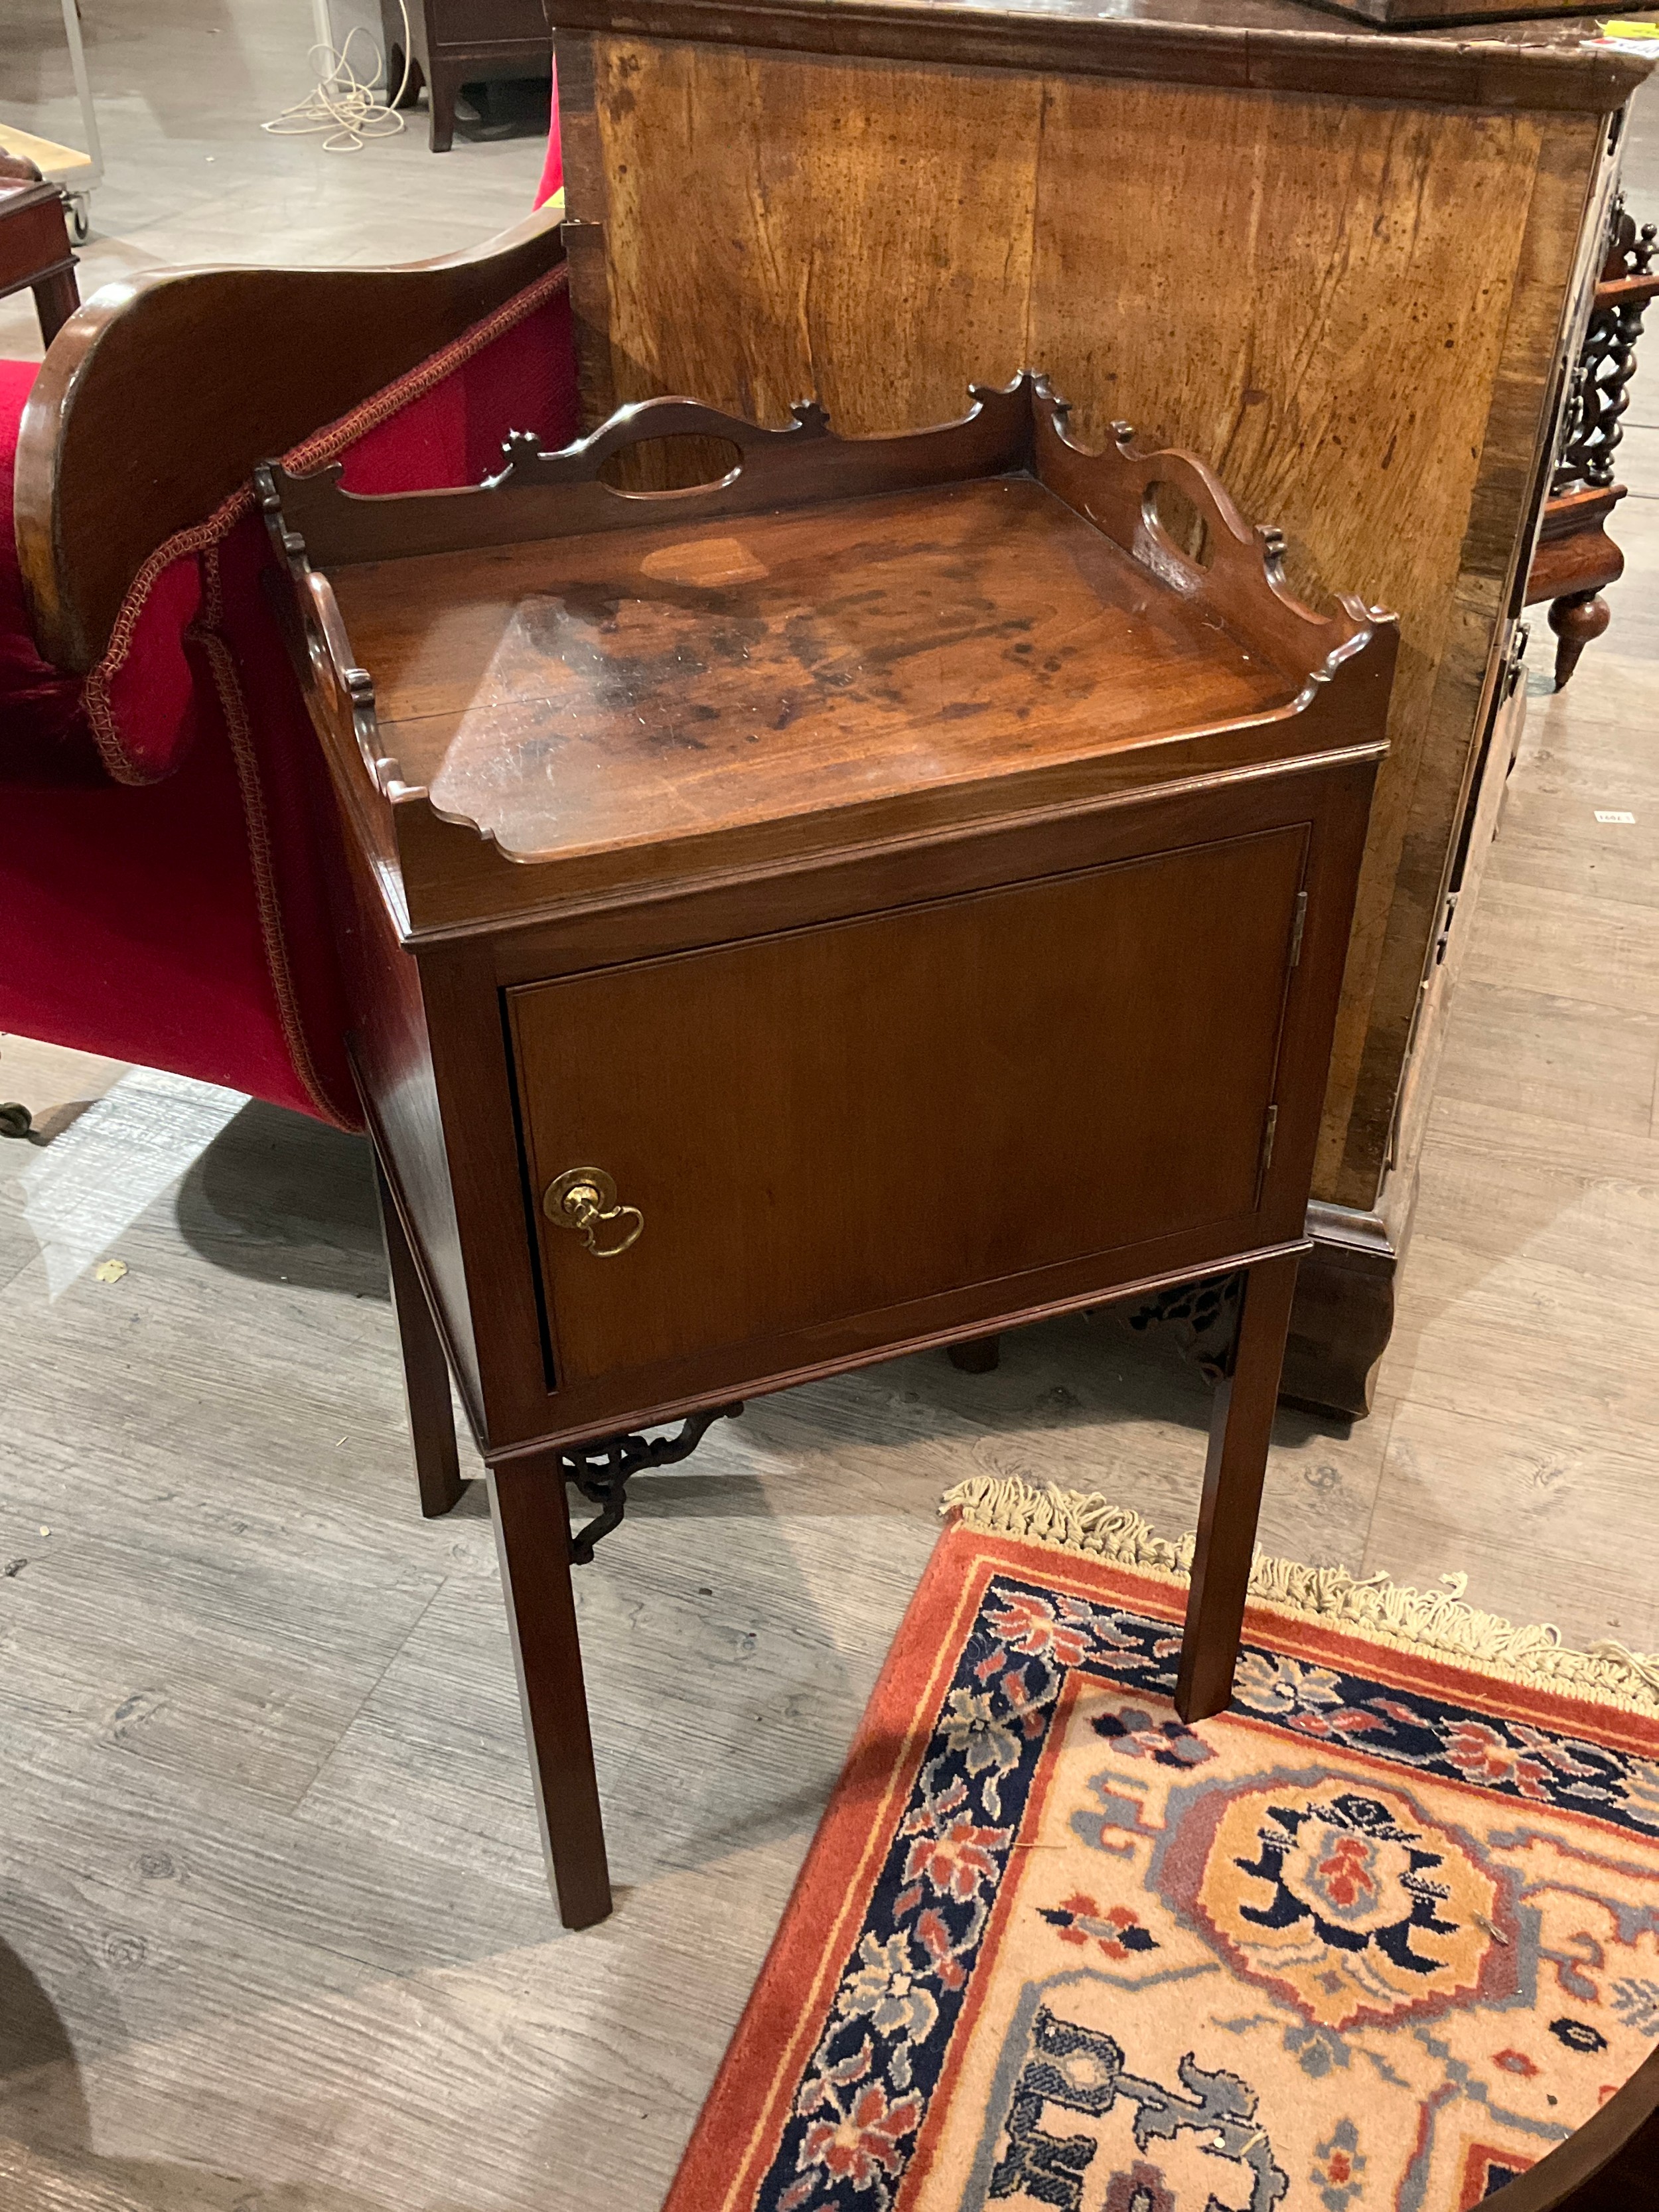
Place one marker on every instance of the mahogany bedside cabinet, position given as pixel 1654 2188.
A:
pixel 890 889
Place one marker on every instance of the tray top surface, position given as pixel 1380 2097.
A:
pixel 1499 53
pixel 573 694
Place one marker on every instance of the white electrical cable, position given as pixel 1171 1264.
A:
pixel 342 103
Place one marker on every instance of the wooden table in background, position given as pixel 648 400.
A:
pixel 451 43
pixel 34 244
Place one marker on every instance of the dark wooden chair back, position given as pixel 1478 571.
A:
pixel 159 398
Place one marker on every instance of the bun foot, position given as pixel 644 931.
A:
pixel 1577 623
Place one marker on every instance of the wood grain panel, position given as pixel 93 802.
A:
pixel 1349 309
pixel 1559 249
pixel 1326 333
pixel 836 203
pixel 568 700
pixel 1267 44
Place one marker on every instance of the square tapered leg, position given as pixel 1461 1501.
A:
pixel 532 1539
pixel 1241 1428
pixel 426 1371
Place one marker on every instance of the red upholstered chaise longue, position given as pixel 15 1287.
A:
pixel 165 824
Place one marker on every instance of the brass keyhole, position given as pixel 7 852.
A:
pixel 584 1200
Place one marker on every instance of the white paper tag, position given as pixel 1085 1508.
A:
pixel 1613 814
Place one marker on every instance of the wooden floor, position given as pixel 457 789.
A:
pixel 273 1933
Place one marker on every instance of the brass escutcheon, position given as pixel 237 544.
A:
pixel 584 1200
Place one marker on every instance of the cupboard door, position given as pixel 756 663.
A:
pixel 840 1119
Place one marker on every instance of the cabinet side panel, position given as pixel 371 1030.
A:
pixel 585 234
pixel 1560 254
pixel 393 1058
pixel 780 228
pixel 1353 289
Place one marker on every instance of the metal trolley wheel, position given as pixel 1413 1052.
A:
pixel 80 218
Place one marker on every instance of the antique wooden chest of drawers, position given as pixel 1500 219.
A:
pixel 448 43
pixel 891 889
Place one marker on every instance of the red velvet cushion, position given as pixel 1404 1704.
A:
pixel 141 701
pixel 129 920
pixel 525 379
pixel 130 926
pixel 185 923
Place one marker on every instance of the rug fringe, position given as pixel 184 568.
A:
pixel 1373 1606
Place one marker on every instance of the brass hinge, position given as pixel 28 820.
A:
pixel 1296 926
pixel 1267 1136
pixel 1446 918
pixel 1517 662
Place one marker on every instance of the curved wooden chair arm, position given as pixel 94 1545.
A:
pixel 1609 2164
pixel 158 398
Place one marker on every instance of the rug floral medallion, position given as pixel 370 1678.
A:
pixel 1379 1936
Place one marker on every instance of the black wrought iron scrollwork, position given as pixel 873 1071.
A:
pixel 1206 1312
pixel 602 1471
pixel 1601 382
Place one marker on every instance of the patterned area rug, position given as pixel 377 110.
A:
pixel 1379 1936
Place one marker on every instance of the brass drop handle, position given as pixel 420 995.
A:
pixel 584 1200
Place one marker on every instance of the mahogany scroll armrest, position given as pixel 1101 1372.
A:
pixel 159 398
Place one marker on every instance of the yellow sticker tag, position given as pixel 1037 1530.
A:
pixel 1617 29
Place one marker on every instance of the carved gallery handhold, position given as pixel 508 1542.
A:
pixel 601 1470
pixel 1007 433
